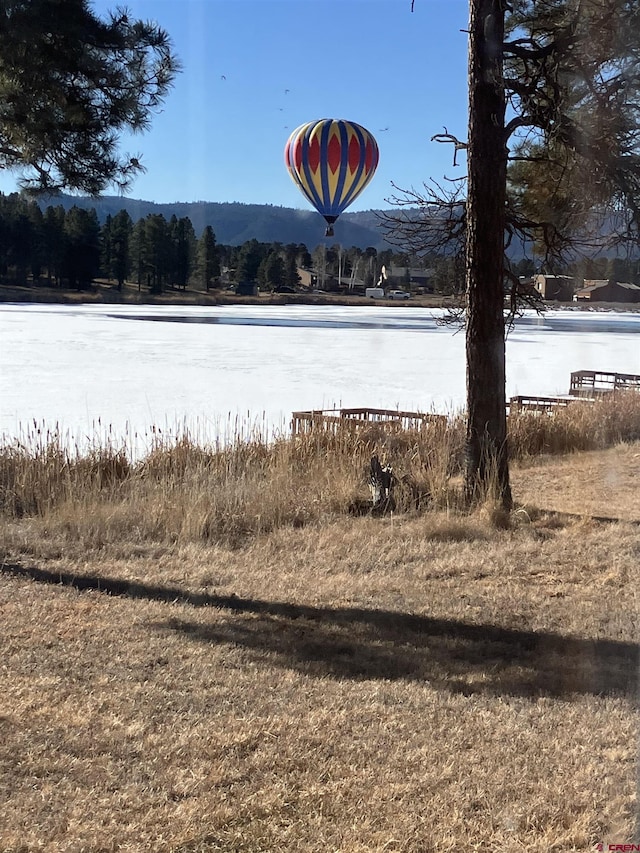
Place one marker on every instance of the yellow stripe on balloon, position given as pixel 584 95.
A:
pixel 350 176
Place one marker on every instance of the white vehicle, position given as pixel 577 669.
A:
pixel 374 292
pixel 398 294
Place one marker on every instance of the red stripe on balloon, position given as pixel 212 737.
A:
pixel 354 153
pixel 368 156
pixel 313 154
pixel 334 151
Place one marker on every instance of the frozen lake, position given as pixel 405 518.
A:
pixel 91 369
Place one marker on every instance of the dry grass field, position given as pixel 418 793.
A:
pixel 205 652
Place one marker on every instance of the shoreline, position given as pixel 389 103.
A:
pixel 101 293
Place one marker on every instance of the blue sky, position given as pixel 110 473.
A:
pixel 222 131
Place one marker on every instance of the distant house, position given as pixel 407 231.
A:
pixel 557 288
pixel 328 283
pixel 312 280
pixel 409 279
pixel 308 278
pixel 607 290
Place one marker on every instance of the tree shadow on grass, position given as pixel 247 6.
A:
pixel 360 644
pixel 354 644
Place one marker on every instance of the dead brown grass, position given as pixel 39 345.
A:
pixel 580 426
pixel 185 491
pixel 426 681
pixel 367 686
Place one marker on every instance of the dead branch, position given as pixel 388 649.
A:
pixel 458 145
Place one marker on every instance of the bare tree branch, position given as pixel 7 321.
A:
pixel 448 137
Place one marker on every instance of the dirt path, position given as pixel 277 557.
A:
pixel 603 483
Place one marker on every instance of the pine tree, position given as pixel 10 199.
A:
pixel 271 272
pixel 21 238
pixel 138 244
pixel 156 254
pixel 250 256
pixel 81 247
pixel 572 74
pixel 291 275
pixel 183 249
pixel 208 257
pixel 487 463
pixel 70 85
pixel 54 218
pixel 121 231
pixel 569 73
pixel 106 246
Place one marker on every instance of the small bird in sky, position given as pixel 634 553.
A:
pixel 286 91
pixel 222 77
pixel 382 129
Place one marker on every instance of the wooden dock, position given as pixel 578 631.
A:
pixel 528 403
pixel 586 386
pixel 599 383
pixel 359 418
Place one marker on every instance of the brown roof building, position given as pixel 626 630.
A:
pixel 559 288
pixel 607 290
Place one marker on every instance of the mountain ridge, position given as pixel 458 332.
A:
pixel 234 223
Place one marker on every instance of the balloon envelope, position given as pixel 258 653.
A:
pixel 331 161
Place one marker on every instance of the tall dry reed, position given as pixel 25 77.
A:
pixel 188 490
pixel 583 425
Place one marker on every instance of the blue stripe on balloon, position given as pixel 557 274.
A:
pixel 327 202
pixel 343 129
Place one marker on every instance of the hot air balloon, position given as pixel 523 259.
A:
pixel 331 161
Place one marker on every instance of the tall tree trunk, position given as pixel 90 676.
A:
pixel 487 463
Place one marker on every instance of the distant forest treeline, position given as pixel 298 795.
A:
pixel 70 246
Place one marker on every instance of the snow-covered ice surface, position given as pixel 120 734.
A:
pixel 125 369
